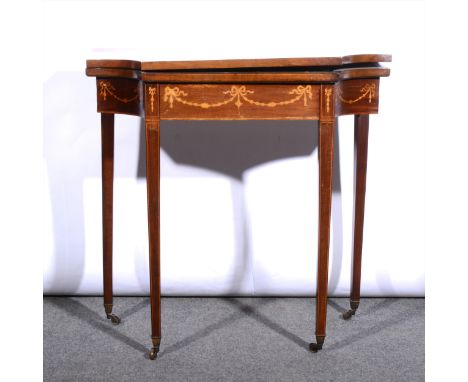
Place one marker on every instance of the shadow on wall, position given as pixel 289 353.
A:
pixel 227 147
pixel 233 147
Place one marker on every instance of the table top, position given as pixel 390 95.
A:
pixel 324 68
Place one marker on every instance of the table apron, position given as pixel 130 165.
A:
pixel 228 101
pixel 237 101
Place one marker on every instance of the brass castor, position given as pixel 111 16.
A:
pixel 350 313
pixel 114 319
pixel 314 348
pixel 153 353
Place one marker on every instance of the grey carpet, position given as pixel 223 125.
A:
pixel 233 339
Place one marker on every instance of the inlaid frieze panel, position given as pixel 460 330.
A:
pixel 357 96
pixel 119 95
pixel 238 101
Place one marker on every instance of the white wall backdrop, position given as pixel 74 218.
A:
pixel 238 200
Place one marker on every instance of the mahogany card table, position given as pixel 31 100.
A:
pixel 317 88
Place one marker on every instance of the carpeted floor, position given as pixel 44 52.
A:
pixel 233 339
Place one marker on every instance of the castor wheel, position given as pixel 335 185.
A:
pixel 153 353
pixel 314 348
pixel 350 313
pixel 114 319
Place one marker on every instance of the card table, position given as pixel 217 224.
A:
pixel 315 88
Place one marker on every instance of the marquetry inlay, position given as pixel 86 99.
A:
pixel 368 90
pixel 106 88
pixel 152 92
pixel 236 94
pixel 328 93
pixel 152 123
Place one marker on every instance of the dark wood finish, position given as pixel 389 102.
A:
pixel 374 72
pixel 326 132
pixel 361 133
pixel 365 58
pixel 242 64
pixel 325 147
pixel 119 95
pixel 115 64
pixel 113 73
pixel 107 174
pixel 280 77
pixel 265 62
pixel 152 126
pixel 233 102
pixel 240 89
pixel 113 68
pixel 358 96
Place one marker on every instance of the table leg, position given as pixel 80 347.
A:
pixel 152 181
pixel 326 132
pixel 107 162
pixel 361 133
